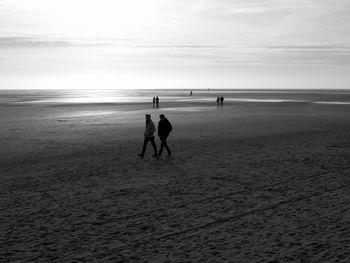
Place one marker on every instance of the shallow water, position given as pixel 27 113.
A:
pixel 54 97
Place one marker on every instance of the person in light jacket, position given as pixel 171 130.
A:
pixel 149 136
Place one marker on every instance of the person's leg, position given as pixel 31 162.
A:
pixel 161 147
pixel 154 145
pixel 162 139
pixel 167 147
pixel 165 144
pixel 145 142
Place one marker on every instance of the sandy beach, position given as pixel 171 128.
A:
pixel 249 181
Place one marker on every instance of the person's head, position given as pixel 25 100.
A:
pixel 148 117
pixel 161 116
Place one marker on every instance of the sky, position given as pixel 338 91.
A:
pixel 96 44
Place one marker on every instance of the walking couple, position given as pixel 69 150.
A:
pixel 164 129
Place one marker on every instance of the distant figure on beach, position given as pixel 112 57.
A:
pixel 217 100
pixel 191 93
pixel 221 100
pixel 149 137
pixel 154 102
pixel 157 102
pixel 164 129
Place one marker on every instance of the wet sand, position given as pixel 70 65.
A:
pixel 248 182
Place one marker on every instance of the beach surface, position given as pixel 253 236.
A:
pixel 262 178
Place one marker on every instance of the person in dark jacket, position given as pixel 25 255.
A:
pixel 164 129
pixel 149 137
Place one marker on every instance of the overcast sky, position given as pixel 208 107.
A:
pixel 310 37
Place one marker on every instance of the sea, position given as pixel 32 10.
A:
pixel 138 96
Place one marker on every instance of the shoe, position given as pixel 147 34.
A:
pixel 140 155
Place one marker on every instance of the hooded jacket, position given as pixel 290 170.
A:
pixel 164 127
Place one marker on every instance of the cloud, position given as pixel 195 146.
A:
pixel 328 54
pixel 30 42
pixel 37 42
pixel 247 11
pixel 326 47
pixel 181 46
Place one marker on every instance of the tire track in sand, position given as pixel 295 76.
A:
pixel 197 229
pixel 210 198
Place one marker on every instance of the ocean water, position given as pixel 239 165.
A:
pixel 74 97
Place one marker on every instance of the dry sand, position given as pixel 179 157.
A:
pixel 248 182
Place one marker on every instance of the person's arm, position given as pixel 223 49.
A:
pixel 153 128
pixel 169 127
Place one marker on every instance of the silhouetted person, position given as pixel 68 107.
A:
pixel 164 129
pixel 222 100
pixel 149 130
pixel 154 102
pixel 191 93
pixel 157 102
pixel 217 100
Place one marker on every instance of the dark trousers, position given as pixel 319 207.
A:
pixel 145 142
pixel 164 145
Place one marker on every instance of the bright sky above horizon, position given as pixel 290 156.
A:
pixel 175 44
